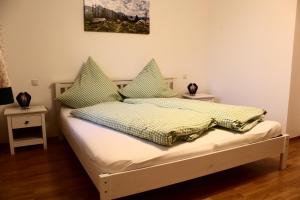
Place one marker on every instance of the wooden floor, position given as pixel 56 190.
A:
pixel 57 174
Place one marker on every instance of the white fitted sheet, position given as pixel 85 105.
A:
pixel 110 151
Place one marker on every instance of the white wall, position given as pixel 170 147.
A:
pixel 250 45
pixel 45 40
pixel 238 50
pixel 293 126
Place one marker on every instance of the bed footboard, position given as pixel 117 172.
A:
pixel 135 181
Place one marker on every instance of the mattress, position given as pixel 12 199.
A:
pixel 110 151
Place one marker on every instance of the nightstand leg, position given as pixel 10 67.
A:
pixel 10 136
pixel 44 131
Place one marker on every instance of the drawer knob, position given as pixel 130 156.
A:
pixel 26 122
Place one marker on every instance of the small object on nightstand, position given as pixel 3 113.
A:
pixel 192 87
pixel 23 99
pixel 200 96
pixel 19 120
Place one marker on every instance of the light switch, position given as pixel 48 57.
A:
pixel 35 82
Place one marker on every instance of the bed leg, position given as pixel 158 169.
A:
pixel 284 154
pixel 103 197
pixel 283 160
pixel 105 190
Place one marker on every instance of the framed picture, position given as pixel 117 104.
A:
pixel 119 16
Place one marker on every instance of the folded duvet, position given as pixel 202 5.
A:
pixel 161 125
pixel 237 118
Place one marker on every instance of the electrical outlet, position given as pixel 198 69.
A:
pixel 35 82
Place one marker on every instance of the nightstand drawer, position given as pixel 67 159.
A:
pixel 26 121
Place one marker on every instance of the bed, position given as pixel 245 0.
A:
pixel 113 159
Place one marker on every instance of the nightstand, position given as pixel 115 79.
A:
pixel 200 96
pixel 26 126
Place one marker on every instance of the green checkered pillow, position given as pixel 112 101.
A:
pixel 149 83
pixel 91 87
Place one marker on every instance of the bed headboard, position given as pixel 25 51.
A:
pixel 61 87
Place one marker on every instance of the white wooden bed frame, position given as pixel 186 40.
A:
pixel 122 184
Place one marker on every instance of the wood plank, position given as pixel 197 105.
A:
pixel 27 141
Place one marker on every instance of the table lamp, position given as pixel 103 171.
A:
pixel 6 96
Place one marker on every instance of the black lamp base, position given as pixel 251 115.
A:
pixel 6 96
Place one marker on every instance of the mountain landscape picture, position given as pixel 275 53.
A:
pixel 120 16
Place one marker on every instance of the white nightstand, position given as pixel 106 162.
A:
pixel 200 96
pixel 18 120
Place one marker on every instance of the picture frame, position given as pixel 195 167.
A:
pixel 118 16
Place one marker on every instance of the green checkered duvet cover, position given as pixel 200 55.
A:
pixel 237 118
pixel 161 125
